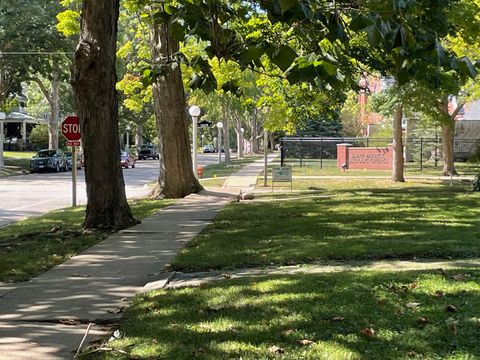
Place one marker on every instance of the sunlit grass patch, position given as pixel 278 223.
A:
pixel 350 315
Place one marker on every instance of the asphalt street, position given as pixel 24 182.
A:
pixel 34 194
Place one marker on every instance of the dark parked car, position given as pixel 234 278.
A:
pixel 68 155
pixel 148 151
pixel 127 160
pixel 46 160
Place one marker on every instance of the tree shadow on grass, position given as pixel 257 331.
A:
pixel 245 318
pixel 376 224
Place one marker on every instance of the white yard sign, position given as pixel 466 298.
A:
pixel 282 174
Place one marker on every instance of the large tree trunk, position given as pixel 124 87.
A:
pixel 447 149
pixel 448 126
pixel 93 80
pixel 139 136
pixel 397 171
pixel 226 132
pixel 176 177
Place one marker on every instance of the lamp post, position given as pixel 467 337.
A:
pixel 220 127
pixel 2 135
pixel 194 112
pixel 128 138
pixel 240 143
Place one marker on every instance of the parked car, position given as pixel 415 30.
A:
pixel 47 159
pixel 148 151
pixel 68 155
pixel 208 148
pixel 127 160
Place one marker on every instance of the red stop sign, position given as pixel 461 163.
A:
pixel 71 127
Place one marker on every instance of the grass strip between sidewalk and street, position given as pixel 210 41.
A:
pixel 350 315
pixel 214 175
pixel 343 220
pixel 32 246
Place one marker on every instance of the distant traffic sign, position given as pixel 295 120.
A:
pixel 71 128
pixel 72 143
pixel 204 123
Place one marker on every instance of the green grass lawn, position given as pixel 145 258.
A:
pixel 17 162
pixel 221 170
pixel 351 219
pixel 30 247
pixel 350 315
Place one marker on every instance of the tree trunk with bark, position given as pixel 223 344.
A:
pixel 139 136
pixel 447 149
pixel 448 127
pixel 238 130
pixel 226 132
pixel 397 170
pixel 254 125
pixel 93 81
pixel 176 177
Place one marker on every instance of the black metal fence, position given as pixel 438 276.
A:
pixel 419 153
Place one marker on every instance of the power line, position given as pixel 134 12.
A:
pixel 13 53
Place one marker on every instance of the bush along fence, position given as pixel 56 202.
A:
pixel 419 153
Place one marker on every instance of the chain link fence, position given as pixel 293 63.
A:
pixel 420 153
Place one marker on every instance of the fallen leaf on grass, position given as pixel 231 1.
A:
pixel 451 308
pixel 227 276
pixel 458 277
pixel 276 350
pixel 412 305
pixel 216 307
pixel 413 285
pixel 452 325
pixel 411 354
pixel 368 331
pixel 439 294
pixel 116 311
pixel 338 318
pixel 422 321
pixel 306 342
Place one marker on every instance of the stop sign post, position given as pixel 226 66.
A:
pixel 71 131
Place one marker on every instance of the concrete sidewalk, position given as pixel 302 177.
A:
pixel 245 180
pixel 47 317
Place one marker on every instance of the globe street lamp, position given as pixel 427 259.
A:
pixel 194 112
pixel 128 138
pixel 2 117
pixel 203 137
pixel 220 127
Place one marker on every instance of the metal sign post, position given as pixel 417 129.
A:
pixel 2 118
pixel 71 131
pixel 74 176
pixel 265 160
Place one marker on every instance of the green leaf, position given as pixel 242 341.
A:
pixel 282 56
pixel 359 22
pixel 466 67
pixel 286 5
pixel 177 31
pixel 251 55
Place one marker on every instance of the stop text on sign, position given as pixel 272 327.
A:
pixel 70 128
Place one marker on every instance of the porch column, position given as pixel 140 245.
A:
pixel 24 132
